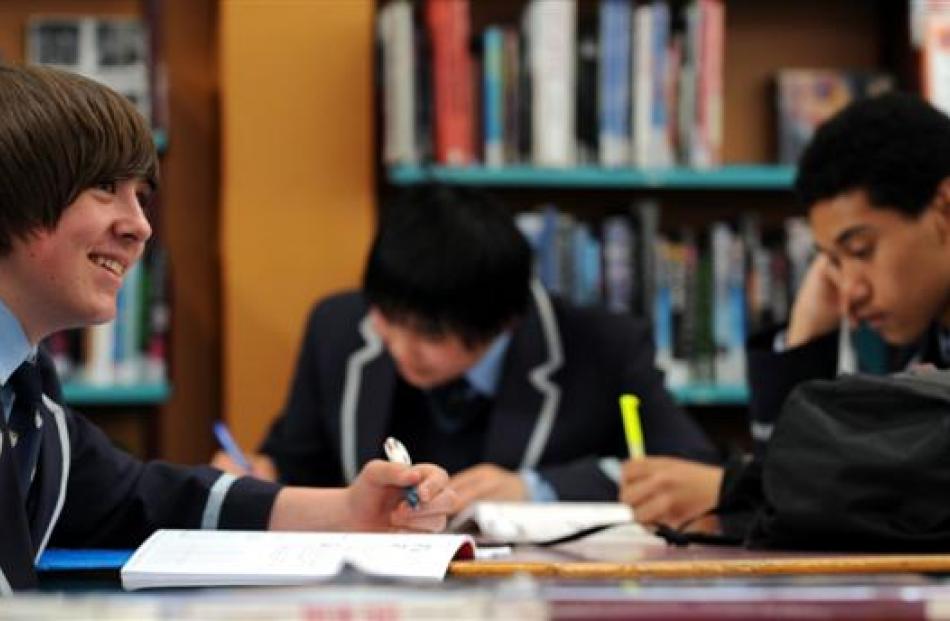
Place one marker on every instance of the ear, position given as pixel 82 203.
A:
pixel 940 208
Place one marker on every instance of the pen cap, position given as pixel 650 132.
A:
pixel 396 452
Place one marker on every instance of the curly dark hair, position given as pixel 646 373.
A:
pixel 896 147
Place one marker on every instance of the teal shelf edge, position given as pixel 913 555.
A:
pixel 711 394
pixel 80 393
pixel 160 136
pixel 748 177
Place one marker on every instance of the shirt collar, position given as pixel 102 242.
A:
pixel 485 374
pixel 14 346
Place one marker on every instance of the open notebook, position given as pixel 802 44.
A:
pixel 180 558
pixel 525 522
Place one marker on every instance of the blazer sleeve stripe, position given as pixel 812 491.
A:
pixel 212 513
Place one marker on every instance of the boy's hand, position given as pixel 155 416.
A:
pixel 669 490
pixel 376 499
pixel 262 466
pixel 487 482
pixel 818 306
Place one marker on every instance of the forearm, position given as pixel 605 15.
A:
pixel 306 508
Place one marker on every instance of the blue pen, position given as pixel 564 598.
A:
pixel 396 453
pixel 226 440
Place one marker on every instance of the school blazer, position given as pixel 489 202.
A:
pixel 556 410
pixel 87 493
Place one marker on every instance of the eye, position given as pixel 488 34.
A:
pixel 107 186
pixel 862 252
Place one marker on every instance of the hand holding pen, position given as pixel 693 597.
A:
pixel 232 459
pixel 395 494
pixel 396 453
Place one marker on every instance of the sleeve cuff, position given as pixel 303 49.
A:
pixel 538 489
pixel 245 504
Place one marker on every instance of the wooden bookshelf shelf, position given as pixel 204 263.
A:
pixel 80 393
pixel 738 177
pixel 711 394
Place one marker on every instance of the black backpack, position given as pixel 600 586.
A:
pixel 861 462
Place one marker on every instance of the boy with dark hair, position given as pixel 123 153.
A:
pixel 876 181
pixel 77 165
pixel 451 347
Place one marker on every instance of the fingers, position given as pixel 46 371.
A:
pixel 432 481
pixel 474 483
pixel 221 461
pixel 637 492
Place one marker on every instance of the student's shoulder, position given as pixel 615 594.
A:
pixel 345 306
pixel 597 324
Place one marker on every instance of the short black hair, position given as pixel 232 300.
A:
pixel 448 260
pixel 896 147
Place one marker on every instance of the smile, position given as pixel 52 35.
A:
pixel 112 265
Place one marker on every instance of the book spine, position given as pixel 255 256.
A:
pixel 448 22
pixel 642 83
pixel 709 109
pixel 493 101
pixel 395 29
pixel 660 153
pixel 552 39
pixel 614 82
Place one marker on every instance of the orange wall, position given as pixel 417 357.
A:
pixel 297 205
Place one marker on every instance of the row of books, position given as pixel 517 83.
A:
pixel 703 290
pixel 630 84
pixel 132 348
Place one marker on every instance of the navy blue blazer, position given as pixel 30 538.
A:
pixel 87 493
pixel 556 410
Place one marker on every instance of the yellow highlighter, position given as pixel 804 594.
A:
pixel 630 413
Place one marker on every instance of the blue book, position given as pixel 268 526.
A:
pixel 614 82
pixel 493 104
pixel 61 559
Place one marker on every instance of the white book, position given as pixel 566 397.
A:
pixel 399 78
pixel 191 558
pixel 551 26
pixel 532 522
pixel 642 84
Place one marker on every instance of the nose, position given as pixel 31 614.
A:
pixel 855 289
pixel 133 225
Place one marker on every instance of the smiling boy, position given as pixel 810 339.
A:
pixel 77 165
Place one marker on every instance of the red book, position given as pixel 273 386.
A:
pixel 452 81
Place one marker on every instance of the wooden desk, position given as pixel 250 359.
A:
pixel 587 560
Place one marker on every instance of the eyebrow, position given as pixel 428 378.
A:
pixel 850 233
pixel 846 235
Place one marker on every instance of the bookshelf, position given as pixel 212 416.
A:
pixel 85 394
pixel 760 38
pixel 734 177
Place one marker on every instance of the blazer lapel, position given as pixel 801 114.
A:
pixel 52 473
pixel 367 397
pixel 528 396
